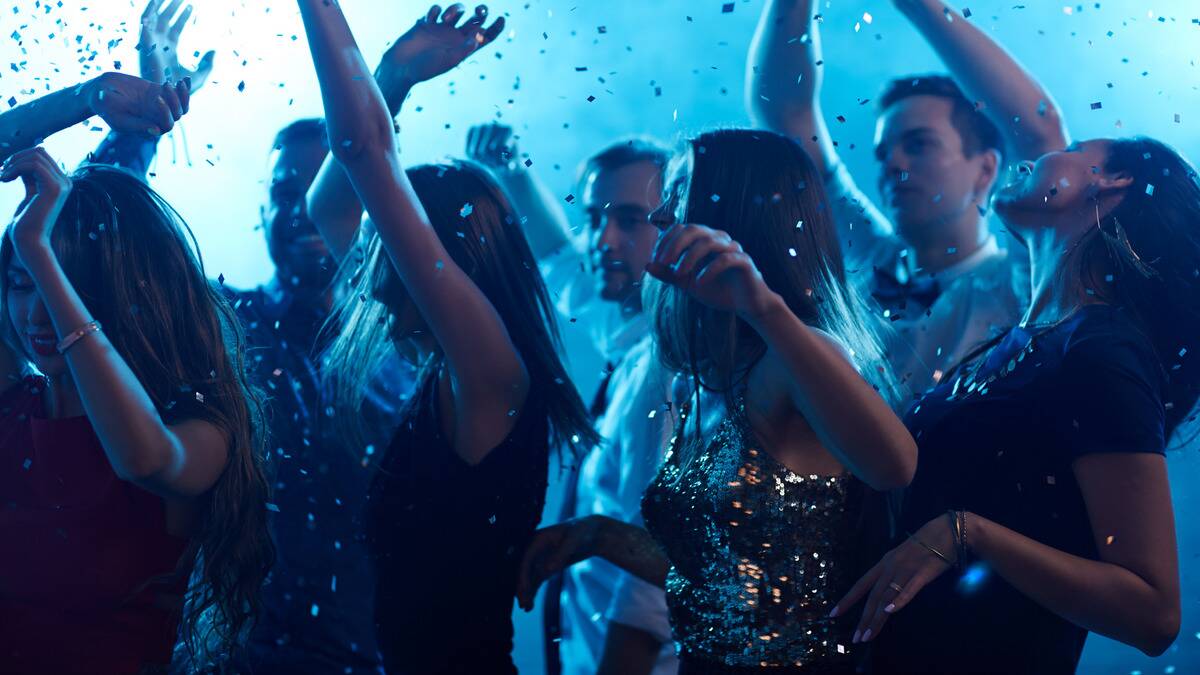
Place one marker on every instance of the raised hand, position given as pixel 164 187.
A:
pixel 434 45
pixel 133 105
pixel 158 45
pixel 712 267
pixel 46 190
pixel 492 145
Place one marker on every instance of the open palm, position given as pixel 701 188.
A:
pixel 437 43
pixel 158 45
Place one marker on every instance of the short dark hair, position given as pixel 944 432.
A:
pixel 977 131
pixel 308 129
pixel 626 152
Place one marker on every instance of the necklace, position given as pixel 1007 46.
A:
pixel 972 384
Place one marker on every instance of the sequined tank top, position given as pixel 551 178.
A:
pixel 759 555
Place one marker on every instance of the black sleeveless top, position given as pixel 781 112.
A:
pixel 447 538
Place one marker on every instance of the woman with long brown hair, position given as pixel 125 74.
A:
pixel 766 505
pixel 130 453
pixel 449 278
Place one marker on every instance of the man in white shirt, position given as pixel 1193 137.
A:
pixel 597 283
pixel 935 268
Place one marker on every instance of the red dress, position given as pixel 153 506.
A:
pixel 88 579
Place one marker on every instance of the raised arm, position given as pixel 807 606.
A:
pixel 849 417
pixel 126 103
pixel 488 377
pixel 783 80
pixel 783 92
pixel 1028 117
pixel 158 61
pixel 429 49
pixel 178 461
pixel 543 219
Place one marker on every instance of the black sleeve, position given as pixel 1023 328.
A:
pixel 1112 397
pixel 132 152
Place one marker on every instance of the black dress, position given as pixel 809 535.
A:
pixel 447 538
pixel 1092 384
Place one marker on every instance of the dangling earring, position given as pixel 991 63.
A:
pixel 1119 241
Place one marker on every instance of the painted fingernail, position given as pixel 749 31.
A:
pixel 833 612
pixel 867 635
pixel 890 608
pixel 857 635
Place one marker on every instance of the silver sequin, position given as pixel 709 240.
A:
pixel 756 553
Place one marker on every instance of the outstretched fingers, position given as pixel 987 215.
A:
pixel 492 32
pixel 180 23
pixel 858 591
pixel 150 14
pixel 163 21
pixel 453 13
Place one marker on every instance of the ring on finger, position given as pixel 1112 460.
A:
pixel 896 587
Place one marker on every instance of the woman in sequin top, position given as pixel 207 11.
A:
pixel 752 522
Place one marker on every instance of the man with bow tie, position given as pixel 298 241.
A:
pixel 932 264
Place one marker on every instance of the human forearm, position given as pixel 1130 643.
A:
pixel 546 225
pixel 1011 97
pixel 632 549
pixel 352 115
pixel 333 205
pixel 132 152
pixel 1102 597
pixel 28 125
pixel 852 420
pixel 783 80
pixel 783 94
pixel 356 115
pixel 139 446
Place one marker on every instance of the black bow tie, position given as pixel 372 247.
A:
pixel 894 294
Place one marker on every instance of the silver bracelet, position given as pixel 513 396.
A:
pixel 77 335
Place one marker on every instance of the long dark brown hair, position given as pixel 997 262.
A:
pixel 766 193
pixel 134 263
pixel 1145 256
pixel 487 242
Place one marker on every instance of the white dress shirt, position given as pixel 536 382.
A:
pixel 981 295
pixel 611 477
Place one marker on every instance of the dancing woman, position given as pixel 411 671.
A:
pixel 129 440
pixel 761 512
pixel 449 277
pixel 1042 465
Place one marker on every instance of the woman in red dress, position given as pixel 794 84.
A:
pixel 129 452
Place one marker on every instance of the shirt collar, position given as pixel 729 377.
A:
pixel 990 249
